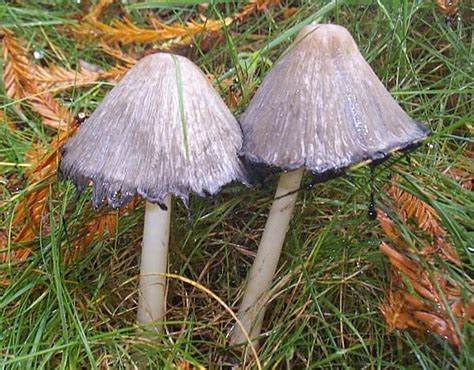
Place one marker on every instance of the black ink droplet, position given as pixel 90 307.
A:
pixel 372 212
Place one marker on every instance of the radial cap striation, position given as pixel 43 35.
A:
pixel 322 107
pixel 162 130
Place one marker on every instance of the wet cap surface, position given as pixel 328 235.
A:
pixel 322 107
pixel 163 129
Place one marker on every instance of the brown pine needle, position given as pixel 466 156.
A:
pixel 97 10
pixel 58 78
pixel 171 36
pixel 117 54
pixel 54 114
pixel 448 8
pixel 20 82
pixel 16 76
pixel 426 218
pixel 31 214
pixel 424 312
pixel 255 6
pixel 96 228
pixel 390 229
pixel 126 32
pixel 6 121
pixel 410 206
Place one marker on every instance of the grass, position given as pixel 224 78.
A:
pixel 324 311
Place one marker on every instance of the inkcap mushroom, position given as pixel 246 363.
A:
pixel 161 131
pixel 321 108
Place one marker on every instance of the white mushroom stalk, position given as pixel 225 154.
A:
pixel 252 309
pixel 153 265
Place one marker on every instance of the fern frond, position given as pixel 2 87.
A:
pixel 17 73
pixel 117 54
pixel 30 213
pixel 54 114
pixel 448 8
pixel 404 310
pixel 58 78
pixel 409 206
pixel 100 227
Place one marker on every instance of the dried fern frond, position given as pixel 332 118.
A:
pixel 412 270
pixel 255 6
pixel 395 311
pixel 97 10
pixel 409 206
pixel 54 114
pixel 391 230
pixel 117 54
pixel 32 212
pixel 415 302
pixel 115 73
pixel 58 78
pixel 21 83
pixel 443 248
pixel 96 228
pixel 426 219
pixel 5 120
pixel 440 246
pixel 448 8
pixel 126 32
pixel 17 73
pixel 263 5
pixel 463 176
pixel 4 281
pixel 426 312
pixel 290 12
pixel 102 226
pixel 171 36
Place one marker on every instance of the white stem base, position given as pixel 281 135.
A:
pixel 152 290
pixel 252 309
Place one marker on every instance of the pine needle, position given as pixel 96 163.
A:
pixel 425 312
pixel 170 36
pixel 409 206
pixel 102 227
pixel 58 78
pixel 32 212
pixel 448 8
pixel 17 76
pixel 20 82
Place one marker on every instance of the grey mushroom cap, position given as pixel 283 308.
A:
pixel 322 107
pixel 162 129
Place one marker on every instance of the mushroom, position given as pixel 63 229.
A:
pixel 162 131
pixel 323 109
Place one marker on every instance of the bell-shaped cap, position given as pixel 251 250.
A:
pixel 322 107
pixel 162 130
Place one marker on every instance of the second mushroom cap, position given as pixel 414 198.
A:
pixel 323 108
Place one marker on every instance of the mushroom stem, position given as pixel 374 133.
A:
pixel 156 232
pixel 252 309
